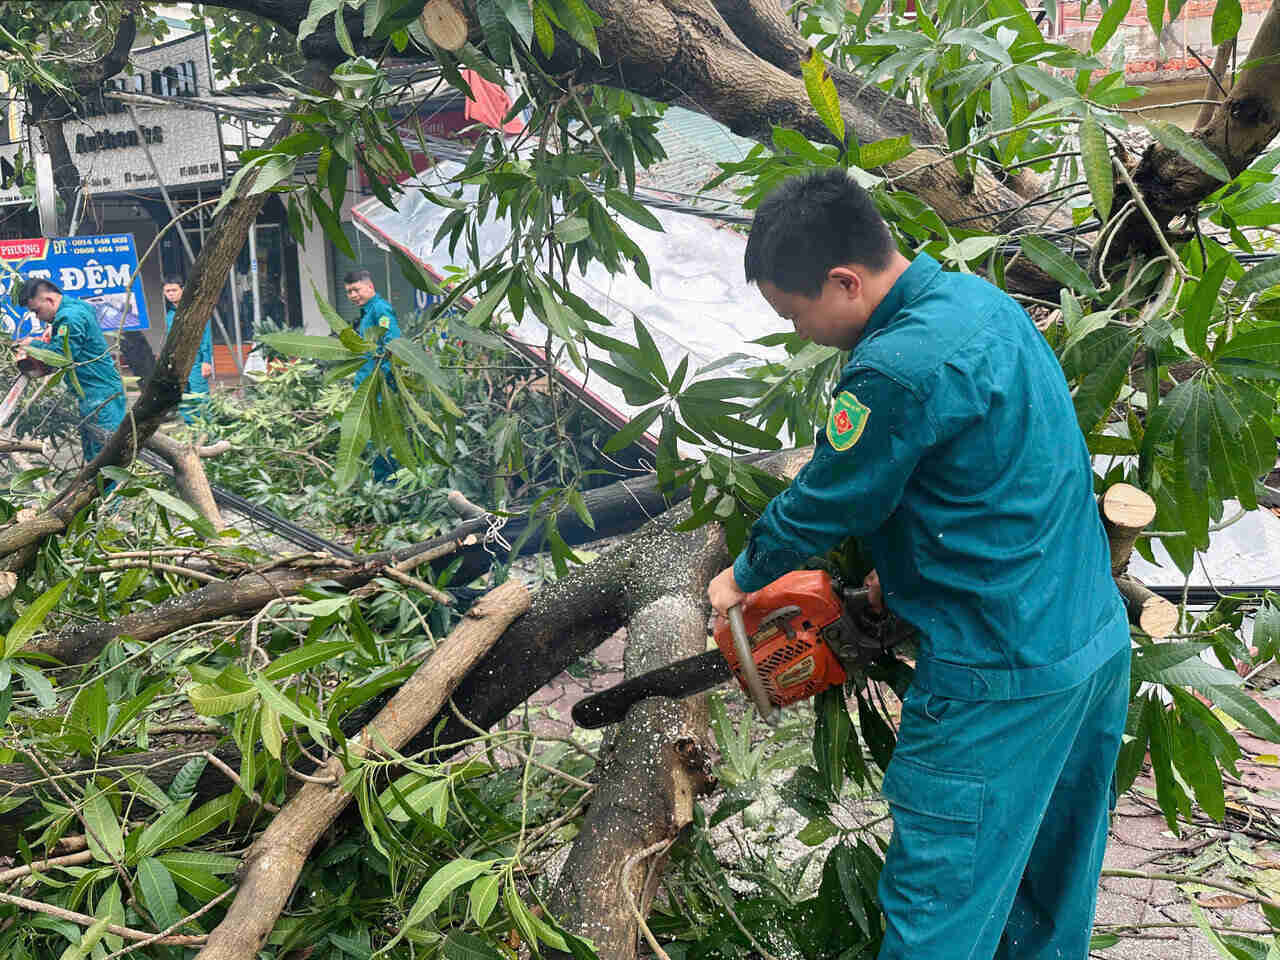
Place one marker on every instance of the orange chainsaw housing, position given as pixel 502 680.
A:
pixel 785 622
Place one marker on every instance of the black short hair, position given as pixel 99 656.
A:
pixel 358 275
pixel 32 286
pixel 175 278
pixel 810 224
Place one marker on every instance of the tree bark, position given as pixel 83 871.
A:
pixel 650 775
pixel 188 476
pixel 1240 128
pixel 273 863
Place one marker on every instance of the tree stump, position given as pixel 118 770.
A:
pixel 1153 615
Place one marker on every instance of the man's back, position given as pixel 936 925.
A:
pixel 995 551
pixel 95 368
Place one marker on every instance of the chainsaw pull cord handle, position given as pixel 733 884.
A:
pixel 755 686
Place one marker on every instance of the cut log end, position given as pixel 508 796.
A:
pixel 1153 615
pixel 1125 511
pixel 444 24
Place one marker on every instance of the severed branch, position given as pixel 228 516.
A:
pixel 1125 510
pixel 273 863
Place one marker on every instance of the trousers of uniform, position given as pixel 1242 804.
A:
pixel 1000 818
pixel 197 400
pixel 106 415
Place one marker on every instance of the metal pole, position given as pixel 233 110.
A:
pixel 173 214
pixel 235 308
pixel 253 277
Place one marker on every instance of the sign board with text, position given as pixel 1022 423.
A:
pixel 111 153
pixel 100 270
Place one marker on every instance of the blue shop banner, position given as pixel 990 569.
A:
pixel 101 270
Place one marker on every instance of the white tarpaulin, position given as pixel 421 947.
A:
pixel 698 305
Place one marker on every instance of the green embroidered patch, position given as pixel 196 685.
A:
pixel 384 322
pixel 847 421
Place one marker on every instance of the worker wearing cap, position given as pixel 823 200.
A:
pixel 71 328
pixel 377 324
pixel 196 399
pixel 952 449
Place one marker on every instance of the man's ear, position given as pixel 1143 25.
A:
pixel 850 280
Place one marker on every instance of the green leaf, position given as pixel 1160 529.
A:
pixel 158 892
pixel 817 832
pixel 883 152
pixel 271 730
pixel 324 349
pixel 210 701
pixel 822 94
pixel 1056 263
pixel 542 29
pixel 632 209
pixel 1200 308
pixel 157 834
pixel 485 306
pixel 467 946
pixel 1236 703
pixel 30 620
pixel 633 430
pixel 454 874
pixel 1168 793
pixel 1097 165
pixel 520 16
pixel 1199 770
pixel 1112 17
pixel 103 833
pixel 305 657
pixel 637 391
pixel 37 683
pixel 484 897
pixel 1189 148
pixel 286 707
pixel 357 427
pixel 205 818
pixel 1155 15
pixel 572 230
pixel 1227 17
pixel 1258 278
pixel 832 731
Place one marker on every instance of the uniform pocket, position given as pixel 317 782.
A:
pixel 936 816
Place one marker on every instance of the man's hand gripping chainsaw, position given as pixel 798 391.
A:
pixel 787 642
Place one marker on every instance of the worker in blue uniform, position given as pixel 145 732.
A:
pixel 377 323
pixel 71 328
pixel 196 395
pixel 952 449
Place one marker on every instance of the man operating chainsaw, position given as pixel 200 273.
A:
pixel 952 449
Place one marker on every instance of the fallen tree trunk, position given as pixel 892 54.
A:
pixel 650 775
pixel 273 863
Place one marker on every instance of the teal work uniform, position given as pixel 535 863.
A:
pixel 75 330
pixel 952 449
pixel 197 386
pixel 377 322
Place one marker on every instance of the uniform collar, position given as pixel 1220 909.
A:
pixel 371 303
pixel 922 272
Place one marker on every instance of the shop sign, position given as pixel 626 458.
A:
pixel 109 151
pixel 10 185
pixel 100 270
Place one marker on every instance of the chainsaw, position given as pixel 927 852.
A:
pixel 29 368
pixel 786 642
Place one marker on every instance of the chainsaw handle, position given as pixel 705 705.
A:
pixel 741 646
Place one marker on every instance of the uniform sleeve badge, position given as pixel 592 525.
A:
pixel 384 323
pixel 847 420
